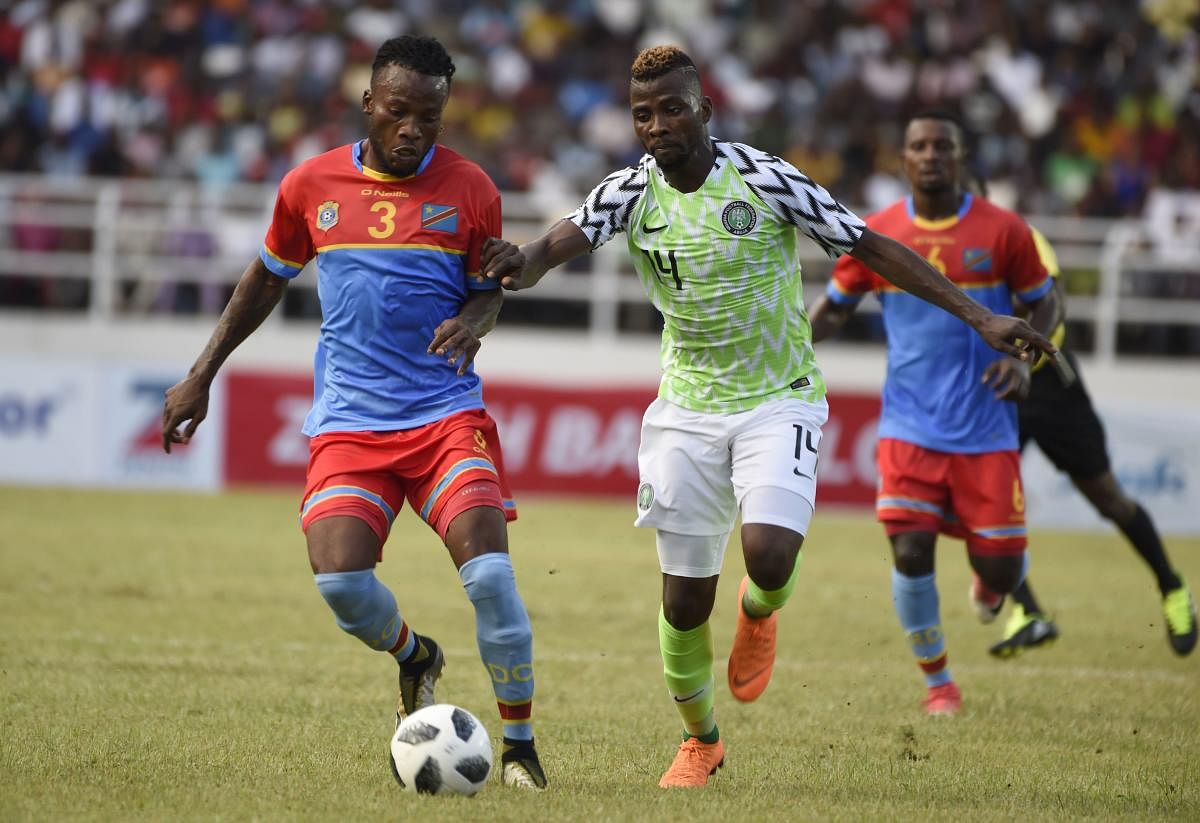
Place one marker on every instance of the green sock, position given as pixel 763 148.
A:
pixel 687 665
pixel 759 603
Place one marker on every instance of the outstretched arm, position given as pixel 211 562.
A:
pixel 521 268
pixel 256 295
pixel 902 266
pixel 1010 379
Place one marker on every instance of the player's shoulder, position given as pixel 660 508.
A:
pixel 891 217
pixel 465 172
pixel 996 216
pixel 628 181
pixel 333 159
pixel 750 160
pixel 319 164
pixel 639 172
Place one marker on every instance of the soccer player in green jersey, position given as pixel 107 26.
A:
pixel 711 227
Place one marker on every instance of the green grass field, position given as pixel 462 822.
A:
pixel 167 657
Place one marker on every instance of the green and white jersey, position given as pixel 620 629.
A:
pixel 721 265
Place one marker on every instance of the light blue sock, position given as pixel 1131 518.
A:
pixel 505 638
pixel 916 602
pixel 365 608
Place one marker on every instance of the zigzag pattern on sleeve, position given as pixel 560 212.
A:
pixel 795 197
pixel 607 209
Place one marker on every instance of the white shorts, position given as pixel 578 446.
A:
pixel 690 555
pixel 697 468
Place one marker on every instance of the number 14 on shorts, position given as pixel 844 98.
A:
pixel 806 452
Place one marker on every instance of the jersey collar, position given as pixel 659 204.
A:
pixel 938 225
pixel 356 154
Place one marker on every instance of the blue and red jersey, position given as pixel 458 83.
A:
pixel 394 258
pixel 933 395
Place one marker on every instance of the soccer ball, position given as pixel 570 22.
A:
pixel 441 749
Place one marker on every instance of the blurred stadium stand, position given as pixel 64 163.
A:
pixel 140 141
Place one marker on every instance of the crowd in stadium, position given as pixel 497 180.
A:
pixel 1089 107
pixel 1078 106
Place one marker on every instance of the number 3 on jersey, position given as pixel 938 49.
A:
pixel 387 220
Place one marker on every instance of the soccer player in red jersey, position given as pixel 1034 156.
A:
pixel 948 443
pixel 396 225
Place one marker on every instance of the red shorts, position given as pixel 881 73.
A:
pixel 442 469
pixel 976 497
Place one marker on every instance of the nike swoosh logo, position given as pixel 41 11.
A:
pixel 799 473
pixel 653 229
pixel 742 681
pixel 692 696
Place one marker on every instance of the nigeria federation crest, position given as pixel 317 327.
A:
pixel 645 498
pixel 327 215
pixel 739 218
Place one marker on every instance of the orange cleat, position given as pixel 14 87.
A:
pixel 693 764
pixel 943 700
pixel 753 654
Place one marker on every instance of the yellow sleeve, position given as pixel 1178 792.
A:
pixel 1045 252
pixel 1050 261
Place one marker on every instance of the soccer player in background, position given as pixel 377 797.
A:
pixel 948 447
pixel 711 227
pixel 1058 415
pixel 396 224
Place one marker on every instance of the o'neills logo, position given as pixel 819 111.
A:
pixel 382 193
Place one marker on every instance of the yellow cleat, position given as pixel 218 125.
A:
pixel 1180 611
pixel 1024 631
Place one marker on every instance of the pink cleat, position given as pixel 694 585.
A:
pixel 943 700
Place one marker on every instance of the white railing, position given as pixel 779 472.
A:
pixel 128 240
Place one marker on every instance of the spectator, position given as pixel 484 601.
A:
pixel 222 90
pixel 1084 108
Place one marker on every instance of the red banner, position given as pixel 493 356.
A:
pixel 555 440
pixel 574 441
pixel 263 441
pixel 847 473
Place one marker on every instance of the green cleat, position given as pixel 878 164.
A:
pixel 1024 631
pixel 417 681
pixel 1180 610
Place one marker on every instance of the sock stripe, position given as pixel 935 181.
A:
pixel 935 665
pixel 515 712
pixel 401 640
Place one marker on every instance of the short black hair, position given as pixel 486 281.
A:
pixel 654 62
pixel 945 117
pixel 424 55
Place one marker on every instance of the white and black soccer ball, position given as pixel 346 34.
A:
pixel 441 749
